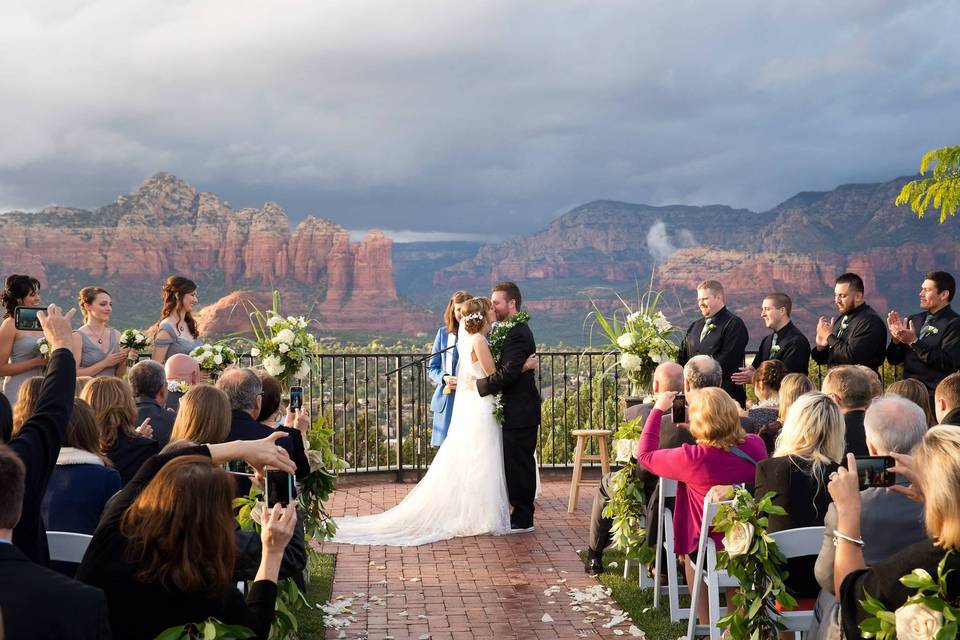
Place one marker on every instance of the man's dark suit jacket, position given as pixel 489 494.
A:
pixel 934 356
pixel 864 341
pixel 521 400
pixel 856 434
pixel 41 604
pixel 38 445
pixel 794 350
pixel 160 419
pixel 725 344
pixel 244 427
pixel 173 401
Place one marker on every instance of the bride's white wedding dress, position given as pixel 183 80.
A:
pixel 464 493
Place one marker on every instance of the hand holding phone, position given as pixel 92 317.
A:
pixel 26 318
pixel 278 487
pixel 296 397
pixel 874 471
pixel 679 408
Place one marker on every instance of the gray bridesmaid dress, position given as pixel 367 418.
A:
pixel 177 344
pixel 92 353
pixel 23 349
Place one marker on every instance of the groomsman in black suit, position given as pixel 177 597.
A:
pixel 858 335
pixel 787 343
pixel 927 344
pixel 719 334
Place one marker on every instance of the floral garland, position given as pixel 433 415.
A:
pixel 926 615
pixel 752 557
pixel 497 338
pixel 626 501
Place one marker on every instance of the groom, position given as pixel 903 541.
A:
pixel 521 407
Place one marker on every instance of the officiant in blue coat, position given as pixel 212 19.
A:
pixel 442 368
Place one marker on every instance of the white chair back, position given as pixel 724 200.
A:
pixel 66 546
pixel 795 543
pixel 665 544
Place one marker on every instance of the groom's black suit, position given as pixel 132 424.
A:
pixel 521 419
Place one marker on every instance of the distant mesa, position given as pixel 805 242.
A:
pixel 167 226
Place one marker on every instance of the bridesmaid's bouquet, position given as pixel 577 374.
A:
pixel 134 340
pixel 214 357
pixel 42 349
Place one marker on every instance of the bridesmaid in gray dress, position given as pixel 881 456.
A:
pixel 96 345
pixel 18 360
pixel 177 329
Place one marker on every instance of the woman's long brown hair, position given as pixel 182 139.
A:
pixel 174 289
pixel 179 530
pixel 83 432
pixel 449 317
pixel 112 402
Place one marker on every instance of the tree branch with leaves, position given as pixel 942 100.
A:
pixel 941 190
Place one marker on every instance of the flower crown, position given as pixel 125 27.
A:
pixel 474 316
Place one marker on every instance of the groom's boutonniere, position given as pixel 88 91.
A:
pixel 775 348
pixel 174 386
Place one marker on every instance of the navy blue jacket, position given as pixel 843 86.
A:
pixel 76 495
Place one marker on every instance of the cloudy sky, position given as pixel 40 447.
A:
pixel 467 117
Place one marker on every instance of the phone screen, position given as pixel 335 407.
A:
pixel 25 318
pixel 873 471
pixel 679 408
pixel 278 488
pixel 296 397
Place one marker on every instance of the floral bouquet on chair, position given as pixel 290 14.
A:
pixel 642 341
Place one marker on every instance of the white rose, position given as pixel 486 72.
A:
pixel 625 341
pixel 661 323
pixel 737 541
pixel 218 359
pixel 304 370
pixel 302 322
pixel 273 321
pixel 624 449
pixel 44 348
pixel 284 347
pixel 273 365
pixel 633 316
pixel 658 357
pixel 630 362
pixel 255 352
pixel 918 622
pixel 285 336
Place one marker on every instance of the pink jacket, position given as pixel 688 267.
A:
pixel 697 468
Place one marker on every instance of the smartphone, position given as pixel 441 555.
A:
pixel 25 318
pixel 874 471
pixel 296 397
pixel 278 488
pixel 679 408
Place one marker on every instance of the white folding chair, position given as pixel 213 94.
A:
pixel 66 546
pixel 795 543
pixel 706 568
pixel 644 581
pixel 665 541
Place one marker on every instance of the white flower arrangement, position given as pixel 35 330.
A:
pixel 134 339
pixel 214 357
pixel 42 349
pixel 282 343
pixel 738 539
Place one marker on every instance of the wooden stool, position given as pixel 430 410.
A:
pixel 579 458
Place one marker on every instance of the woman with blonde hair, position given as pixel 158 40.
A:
pixel 442 368
pixel 934 475
pixel 127 446
pixel 203 417
pixel 917 393
pixel 26 404
pixel 792 387
pixel 96 346
pixel 723 455
pixel 809 447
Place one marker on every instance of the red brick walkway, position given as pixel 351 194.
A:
pixel 479 587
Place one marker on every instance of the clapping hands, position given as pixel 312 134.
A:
pixel 824 329
pixel 901 329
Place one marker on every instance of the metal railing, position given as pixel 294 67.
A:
pixel 378 405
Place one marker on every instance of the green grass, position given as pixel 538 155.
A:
pixel 635 601
pixel 318 592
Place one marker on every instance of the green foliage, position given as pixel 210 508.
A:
pixel 290 602
pixel 931 594
pixel 941 190
pixel 760 571
pixel 211 629
pixel 316 488
pixel 625 508
pixel 630 430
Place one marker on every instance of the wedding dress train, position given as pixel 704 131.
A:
pixel 464 492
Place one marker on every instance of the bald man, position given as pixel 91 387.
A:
pixel 180 368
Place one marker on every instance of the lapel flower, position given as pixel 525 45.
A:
pixel 711 325
pixel 928 330
pixel 174 386
pixel 774 348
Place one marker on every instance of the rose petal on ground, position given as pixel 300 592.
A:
pixel 546 618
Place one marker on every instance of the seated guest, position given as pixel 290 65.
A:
pixel 946 400
pixel 852 390
pixel 272 397
pixel 164 551
pixel 38 442
pixel 792 387
pixel 26 404
pixel 82 382
pixel 112 402
pixel 149 385
pixel 667 377
pixel 932 472
pixel 916 392
pixel 204 418
pixel 808 450
pixel 38 603
pixel 724 454
pixel 245 391
pixel 876 387
pixel 766 384
pixel 889 521
pixel 83 479
pixel 182 373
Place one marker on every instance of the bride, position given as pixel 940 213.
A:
pixel 464 493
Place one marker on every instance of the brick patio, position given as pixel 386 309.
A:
pixel 479 587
